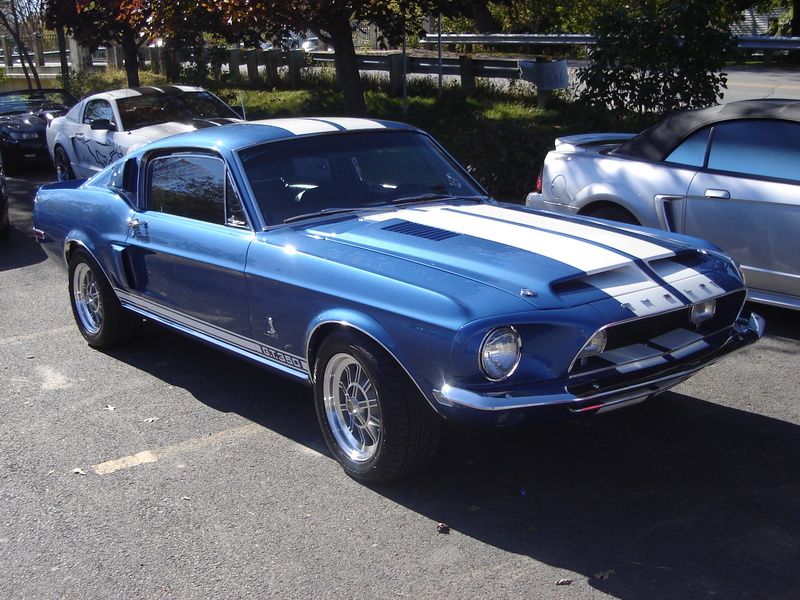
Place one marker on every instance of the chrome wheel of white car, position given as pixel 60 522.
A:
pixel 101 319
pixel 62 164
pixel 375 422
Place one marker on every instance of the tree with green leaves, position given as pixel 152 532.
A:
pixel 133 23
pixel 94 22
pixel 334 22
pixel 658 58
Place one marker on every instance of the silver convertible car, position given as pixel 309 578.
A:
pixel 357 256
pixel 728 174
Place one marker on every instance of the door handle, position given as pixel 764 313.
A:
pixel 722 194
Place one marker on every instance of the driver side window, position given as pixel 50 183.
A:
pixel 195 187
pixel 98 109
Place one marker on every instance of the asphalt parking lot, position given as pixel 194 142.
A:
pixel 166 469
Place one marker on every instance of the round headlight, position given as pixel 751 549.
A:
pixel 595 345
pixel 500 353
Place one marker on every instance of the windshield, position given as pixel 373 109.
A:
pixel 27 101
pixel 182 107
pixel 360 169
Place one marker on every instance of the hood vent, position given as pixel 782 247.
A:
pixel 421 231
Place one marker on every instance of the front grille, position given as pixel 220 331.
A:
pixel 652 346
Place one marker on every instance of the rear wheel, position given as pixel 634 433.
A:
pixel 614 213
pixel 62 164
pixel 374 420
pixel 101 319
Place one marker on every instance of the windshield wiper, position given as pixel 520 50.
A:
pixel 322 213
pixel 422 198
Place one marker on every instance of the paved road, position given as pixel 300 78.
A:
pixel 166 469
pixel 745 83
pixel 750 83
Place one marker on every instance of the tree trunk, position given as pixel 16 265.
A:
pixel 130 50
pixel 796 18
pixel 347 74
pixel 483 19
pixel 62 55
pixel 26 58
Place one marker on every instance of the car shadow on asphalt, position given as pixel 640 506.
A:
pixel 676 498
pixel 21 249
pixel 781 322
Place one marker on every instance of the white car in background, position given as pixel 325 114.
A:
pixel 729 174
pixel 106 126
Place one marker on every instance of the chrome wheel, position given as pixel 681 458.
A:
pixel 352 408
pixel 373 418
pixel 87 299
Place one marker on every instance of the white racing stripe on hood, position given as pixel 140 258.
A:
pixel 583 255
pixel 642 249
pixel 308 126
pixel 636 291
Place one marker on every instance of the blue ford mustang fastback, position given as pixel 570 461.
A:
pixel 357 256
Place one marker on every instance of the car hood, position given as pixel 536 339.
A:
pixel 549 261
pixel 30 120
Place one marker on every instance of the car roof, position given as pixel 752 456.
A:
pixel 659 140
pixel 147 91
pixel 236 136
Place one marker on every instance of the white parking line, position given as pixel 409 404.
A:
pixel 149 456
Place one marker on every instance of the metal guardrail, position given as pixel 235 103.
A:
pixel 491 39
pixel 756 42
pixel 763 42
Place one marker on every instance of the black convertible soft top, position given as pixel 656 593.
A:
pixel 659 140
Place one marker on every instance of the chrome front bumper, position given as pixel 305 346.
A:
pixel 746 331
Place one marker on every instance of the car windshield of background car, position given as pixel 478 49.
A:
pixel 349 170
pixel 183 107
pixel 25 102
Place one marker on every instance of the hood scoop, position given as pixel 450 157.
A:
pixel 421 231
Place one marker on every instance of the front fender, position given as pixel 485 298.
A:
pixel 406 354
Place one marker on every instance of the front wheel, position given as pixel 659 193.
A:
pixel 374 420
pixel 102 321
pixel 63 166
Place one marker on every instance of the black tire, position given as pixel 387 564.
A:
pixel 11 164
pixel 102 321
pixel 62 164
pixel 614 213
pixel 5 230
pixel 374 420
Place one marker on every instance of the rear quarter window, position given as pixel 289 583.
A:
pixel 692 151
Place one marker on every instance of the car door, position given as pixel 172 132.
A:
pixel 94 139
pixel 187 250
pixel 747 201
